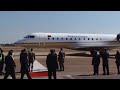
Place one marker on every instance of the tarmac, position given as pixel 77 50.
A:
pixel 78 64
pixel 81 76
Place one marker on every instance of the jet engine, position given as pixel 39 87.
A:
pixel 118 37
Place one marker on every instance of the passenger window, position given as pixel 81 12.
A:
pixel 66 38
pixel 96 38
pixel 53 38
pixel 57 38
pixel 49 35
pixel 48 38
pixel 92 38
pixel 84 38
pixel 75 38
pixel 88 38
pixel 70 38
pixel 79 38
pixel 62 38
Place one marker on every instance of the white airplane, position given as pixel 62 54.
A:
pixel 74 41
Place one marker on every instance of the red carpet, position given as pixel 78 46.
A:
pixel 37 74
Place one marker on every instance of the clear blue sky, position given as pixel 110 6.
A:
pixel 16 24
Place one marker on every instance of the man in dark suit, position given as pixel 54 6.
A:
pixel 96 62
pixel 24 64
pixel 105 56
pixel 51 63
pixel 10 65
pixel 117 57
pixel 1 61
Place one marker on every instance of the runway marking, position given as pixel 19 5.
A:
pixel 70 76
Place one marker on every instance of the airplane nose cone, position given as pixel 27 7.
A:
pixel 16 43
pixel 19 42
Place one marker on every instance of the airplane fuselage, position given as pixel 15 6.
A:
pixel 69 40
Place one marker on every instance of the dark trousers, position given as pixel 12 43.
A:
pixel 51 73
pixel 23 72
pixel 12 73
pixel 61 66
pixel 1 67
pixel 105 67
pixel 118 66
pixel 95 68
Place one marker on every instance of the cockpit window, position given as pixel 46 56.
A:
pixel 29 36
pixel 26 37
pixel 32 36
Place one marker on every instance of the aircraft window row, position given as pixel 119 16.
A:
pixel 77 36
pixel 76 39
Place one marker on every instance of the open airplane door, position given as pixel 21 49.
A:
pixel 41 40
pixel 38 70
